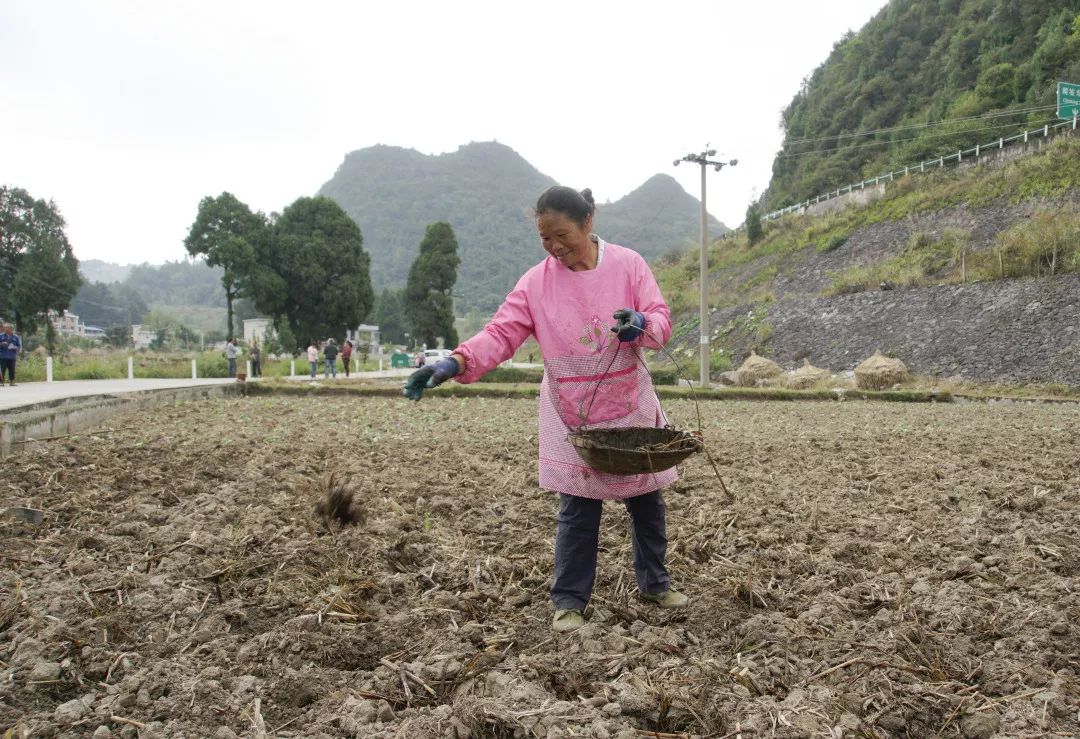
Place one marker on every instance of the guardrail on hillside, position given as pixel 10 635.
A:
pixel 978 150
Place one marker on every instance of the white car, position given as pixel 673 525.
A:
pixel 431 356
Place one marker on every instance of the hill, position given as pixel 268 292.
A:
pixel 189 291
pixel 989 67
pixel 656 217
pixel 972 271
pixel 95 270
pixel 485 191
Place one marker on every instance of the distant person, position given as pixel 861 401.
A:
pixel 346 355
pixel 419 359
pixel 330 352
pixel 230 354
pixel 313 358
pixel 9 352
pixel 255 354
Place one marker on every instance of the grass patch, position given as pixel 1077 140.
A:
pixel 1051 173
pixel 920 261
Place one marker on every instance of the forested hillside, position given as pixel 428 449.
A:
pixel 189 291
pixel 989 67
pixel 485 191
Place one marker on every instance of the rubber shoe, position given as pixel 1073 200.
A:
pixel 667 599
pixel 567 619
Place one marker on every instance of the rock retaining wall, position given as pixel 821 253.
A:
pixel 1012 331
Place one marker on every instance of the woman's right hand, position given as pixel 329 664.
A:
pixel 431 375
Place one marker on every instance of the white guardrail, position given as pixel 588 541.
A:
pixel 939 162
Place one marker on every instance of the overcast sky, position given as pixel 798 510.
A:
pixel 127 113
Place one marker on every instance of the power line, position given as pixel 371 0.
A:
pixel 854 147
pixel 943 122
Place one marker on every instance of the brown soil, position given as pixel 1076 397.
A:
pixel 887 570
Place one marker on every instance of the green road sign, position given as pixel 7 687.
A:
pixel 1068 99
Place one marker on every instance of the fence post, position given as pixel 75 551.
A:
pixel 48 369
pixel 1046 130
pixel 1001 142
pixel 922 166
pixel 1074 120
pixel 959 156
pixel 247 366
pixel 976 151
pixel 905 171
pixel 963 265
pixel 292 368
pixel 131 368
pixel 1025 136
pixel 941 161
pixel 194 371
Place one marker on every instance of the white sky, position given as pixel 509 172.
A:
pixel 127 113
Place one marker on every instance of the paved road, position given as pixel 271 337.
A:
pixel 30 393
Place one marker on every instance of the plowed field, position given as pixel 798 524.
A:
pixel 886 570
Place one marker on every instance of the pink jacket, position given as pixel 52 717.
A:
pixel 569 313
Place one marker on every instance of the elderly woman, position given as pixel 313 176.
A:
pixel 592 376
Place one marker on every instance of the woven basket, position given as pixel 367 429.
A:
pixel 634 451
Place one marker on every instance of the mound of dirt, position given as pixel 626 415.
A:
pixel 879 372
pixel 337 502
pixel 757 368
pixel 806 376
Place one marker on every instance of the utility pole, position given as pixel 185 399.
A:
pixel 703 160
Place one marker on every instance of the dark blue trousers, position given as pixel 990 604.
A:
pixel 577 537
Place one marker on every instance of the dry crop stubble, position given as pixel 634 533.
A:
pixel 890 569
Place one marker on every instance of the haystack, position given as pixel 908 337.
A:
pixel 757 368
pixel 806 376
pixel 879 372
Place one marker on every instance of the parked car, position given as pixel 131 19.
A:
pixel 428 356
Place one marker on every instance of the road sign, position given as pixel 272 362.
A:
pixel 1068 99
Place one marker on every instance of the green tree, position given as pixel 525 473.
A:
pixel 429 304
pixel 36 260
pixel 311 270
pixel 754 231
pixel 390 317
pixel 225 232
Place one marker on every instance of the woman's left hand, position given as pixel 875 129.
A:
pixel 629 324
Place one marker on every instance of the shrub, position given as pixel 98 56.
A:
pixel 513 374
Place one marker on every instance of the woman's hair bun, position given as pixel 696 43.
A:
pixel 587 194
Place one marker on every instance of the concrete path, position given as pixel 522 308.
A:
pixel 31 393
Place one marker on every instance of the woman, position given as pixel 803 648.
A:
pixel 255 355
pixel 346 355
pixel 561 301
pixel 313 358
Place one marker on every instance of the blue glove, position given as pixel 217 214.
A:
pixel 430 375
pixel 629 324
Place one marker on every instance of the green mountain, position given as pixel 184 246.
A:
pixel 929 77
pixel 485 191
pixel 657 217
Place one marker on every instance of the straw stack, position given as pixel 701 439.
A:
pixel 880 372
pixel 806 376
pixel 757 368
